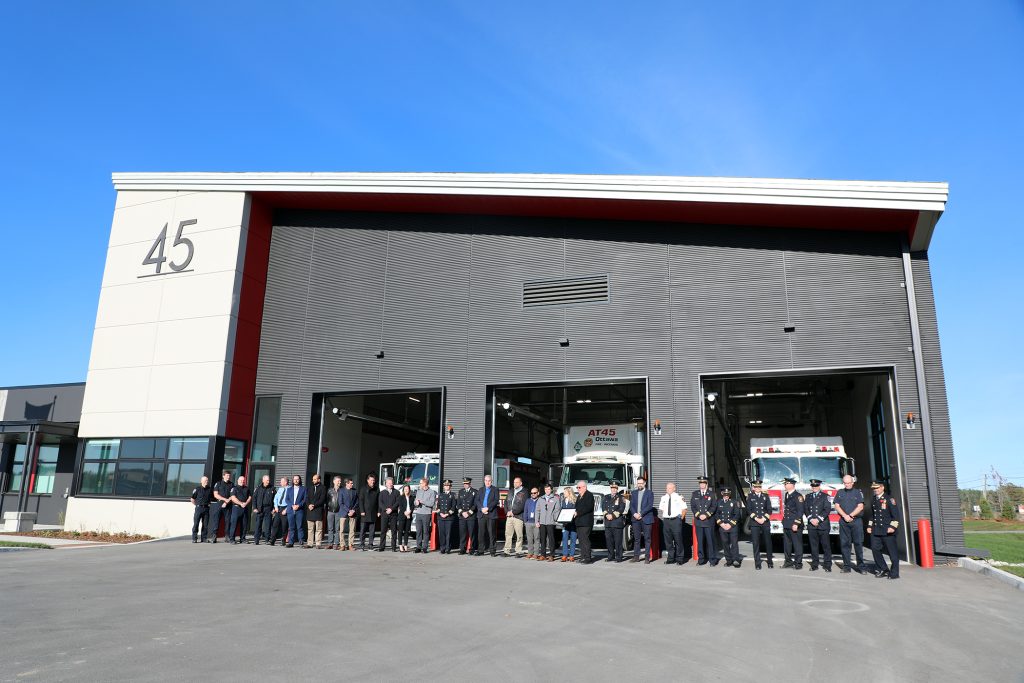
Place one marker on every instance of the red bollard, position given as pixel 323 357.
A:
pixel 694 527
pixel 433 530
pixel 924 543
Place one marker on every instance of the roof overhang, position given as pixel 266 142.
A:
pixel 912 208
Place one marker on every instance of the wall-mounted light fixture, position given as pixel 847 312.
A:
pixel 450 431
pixel 563 342
pixel 657 427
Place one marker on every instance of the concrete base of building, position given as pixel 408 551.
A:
pixel 19 522
pixel 157 518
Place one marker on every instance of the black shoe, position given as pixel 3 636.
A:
pixel 670 561
pixel 859 569
pixel 701 562
pixel 195 541
pixel 290 545
pixel 214 540
pixel 828 569
pixel 846 570
pixel 736 564
pixel 798 566
pixel 680 562
pixel 770 565
pixel 256 543
pixel 635 559
pixel 881 574
pixel 714 563
pixel 787 564
pixel 462 552
pixel 814 567
pixel 271 544
pixel 415 550
pixel 647 561
pixel 892 578
pixel 757 567
pixel 609 559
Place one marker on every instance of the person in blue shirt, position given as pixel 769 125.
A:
pixel 531 526
pixel 279 523
pixel 486 516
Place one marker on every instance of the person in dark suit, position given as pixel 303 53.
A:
pixel 584 520
pixel 641 515
pixel 316 500
pixel 368 511
pixel 614 506
pixel 388 502
pixel 883 523
pixel 486 514
pixel 295 508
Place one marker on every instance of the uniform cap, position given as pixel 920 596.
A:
pixel 614 485
pixel 467 480
pixel 702 480
pixel 789 480
pixel 756 482
pixel 815 482
pixel 725 491
pixel 447 482
pixel 877 485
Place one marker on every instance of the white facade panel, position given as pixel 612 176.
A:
pixel 115 390
pixel 125 346
pixel 193 340
pixel 138 302
pixel 186 386
pixel 158 518
pixel 173 326
pixel 200 295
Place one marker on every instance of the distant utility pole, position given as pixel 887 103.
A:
pixel 984 486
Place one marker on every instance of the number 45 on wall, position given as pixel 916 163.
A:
pixel 156 252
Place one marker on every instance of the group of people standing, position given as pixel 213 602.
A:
pixel 534 519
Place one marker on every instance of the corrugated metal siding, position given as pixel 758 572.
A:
pixel 935 380
pixel 442 296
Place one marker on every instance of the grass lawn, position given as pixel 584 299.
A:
pixel 1005 547
pixel 94 536
pixel 991 525
pixel 1019 571
pixel 20 544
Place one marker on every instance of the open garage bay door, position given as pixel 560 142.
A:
pixel 807 425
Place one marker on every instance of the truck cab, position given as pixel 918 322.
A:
pixel 599 470
pixel 409 469
pixel 803 459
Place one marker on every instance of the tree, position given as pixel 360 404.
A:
pixel 1008 511
pixel 986 509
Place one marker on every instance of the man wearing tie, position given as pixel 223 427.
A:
pixel 641 512
pixel 672 508
pixel 584 520
pixel 295 507
pixel 486 514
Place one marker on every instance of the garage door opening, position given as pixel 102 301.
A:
pixel 394 434
pixel 566 432
pixel 804 426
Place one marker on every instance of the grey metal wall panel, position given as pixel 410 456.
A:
pixel 442 297
pixel 935 379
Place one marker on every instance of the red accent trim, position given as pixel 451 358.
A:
pixel 245 359
pixel 762 215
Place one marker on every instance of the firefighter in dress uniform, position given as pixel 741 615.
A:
pixel 817 507
pixel 883 522
pixel 703 504
pixel 792 525
pixel 759 507
pixel 466 508
pixel 727 516
pixel 446 511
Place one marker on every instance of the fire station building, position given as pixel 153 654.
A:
pixel 292 323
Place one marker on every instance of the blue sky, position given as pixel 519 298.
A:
pixel 895 91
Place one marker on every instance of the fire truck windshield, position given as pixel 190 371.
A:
pixel 412 473
pixel 774 470
pixel 600 473
pixel 828 470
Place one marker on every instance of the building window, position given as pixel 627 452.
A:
pixel 17 468
pixel 144 468
pixel 234 458
pixel 264 440
pixel 46 469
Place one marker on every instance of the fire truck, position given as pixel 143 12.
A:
pixel 803 459
pixel 409 469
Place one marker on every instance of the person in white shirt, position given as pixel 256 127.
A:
pixel 672 509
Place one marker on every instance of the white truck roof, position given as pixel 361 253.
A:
pixel 797 445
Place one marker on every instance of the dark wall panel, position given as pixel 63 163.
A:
pixel 442 297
